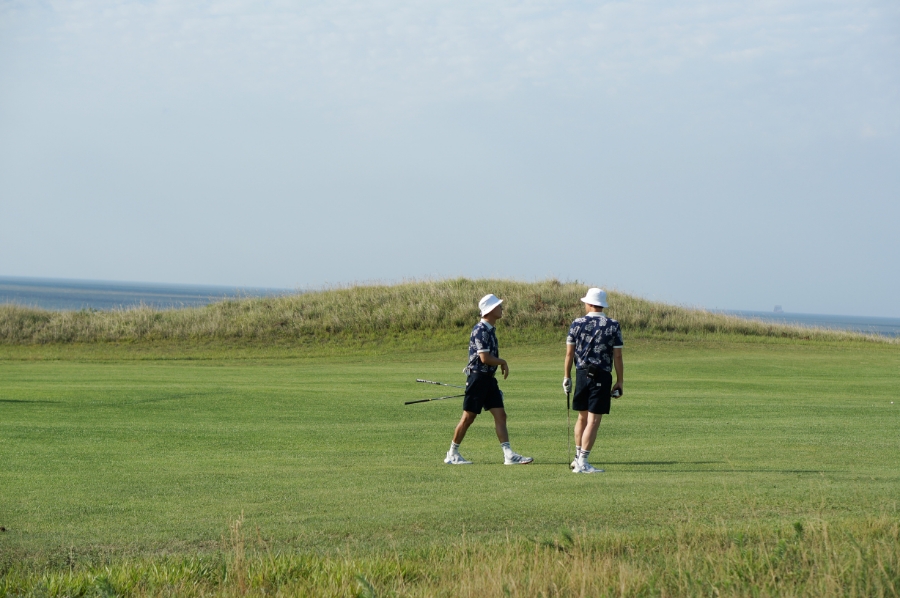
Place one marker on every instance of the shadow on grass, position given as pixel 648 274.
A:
pixel 641 463
pixel 602 464
pixel 161 398
pixel 153 399
pixel 663 462
pixel 25 401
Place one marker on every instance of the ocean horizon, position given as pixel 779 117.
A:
pixel 864 324
pixel 75 295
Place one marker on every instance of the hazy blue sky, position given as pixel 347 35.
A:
pixel 708 153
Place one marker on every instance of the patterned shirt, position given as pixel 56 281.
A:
pixel 595 336
pixel 483 340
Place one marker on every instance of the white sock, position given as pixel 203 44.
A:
pixel 577 451
pixel 454 448
pixel 506 448
pixel 584 456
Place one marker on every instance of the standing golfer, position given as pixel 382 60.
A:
pixel 482 391
pixel 595 345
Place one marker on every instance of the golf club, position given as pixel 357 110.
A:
pixel 438 383
pixel 568 405
pixel 437 399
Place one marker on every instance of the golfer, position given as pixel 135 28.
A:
pixel 595 345
pixel 482 391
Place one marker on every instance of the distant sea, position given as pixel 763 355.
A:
pixel 868 325
pixel 66 295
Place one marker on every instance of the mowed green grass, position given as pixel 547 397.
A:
pixel 143 456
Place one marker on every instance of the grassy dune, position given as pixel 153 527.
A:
pixel 438 309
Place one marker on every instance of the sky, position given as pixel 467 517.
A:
pixel 718 154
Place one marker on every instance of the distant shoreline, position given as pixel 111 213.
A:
pixel 865 324
pixel 75 295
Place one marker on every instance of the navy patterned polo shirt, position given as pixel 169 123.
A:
pixel 483 339
pixel 595 336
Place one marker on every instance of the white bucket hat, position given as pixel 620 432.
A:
pixel 488 303
pixel 595 296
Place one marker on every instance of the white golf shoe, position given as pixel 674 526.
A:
pixel 573 464
pixel 585 468
pixel 516 459
pixel 456 459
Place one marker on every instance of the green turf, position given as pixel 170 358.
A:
pixel 144 456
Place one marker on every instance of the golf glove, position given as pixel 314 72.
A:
pixel 567 385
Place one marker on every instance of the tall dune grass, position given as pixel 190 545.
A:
pixel 375 312
pixel 813 559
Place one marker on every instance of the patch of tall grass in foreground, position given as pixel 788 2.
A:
pixel 814 559
pixel 379 312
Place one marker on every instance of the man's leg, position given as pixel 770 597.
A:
pixel 587 443
pixel 464 422
pixel 580 425
pixel 499 414
pixel 583 386
pixel 453 457
pixel 589 432
pixel 510 457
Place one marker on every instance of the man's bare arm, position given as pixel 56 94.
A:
pixel 620 370
pixel 567 380
pixel 488 359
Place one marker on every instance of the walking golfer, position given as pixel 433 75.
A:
pixel 482 391
pixel 595 345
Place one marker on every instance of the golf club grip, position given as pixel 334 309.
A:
pixel 419 401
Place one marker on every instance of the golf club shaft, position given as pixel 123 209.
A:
pixel 438 383
pixel 568 452
pixel 437 399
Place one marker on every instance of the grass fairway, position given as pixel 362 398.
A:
pixel 131 459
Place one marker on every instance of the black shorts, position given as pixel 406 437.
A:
pixel 482 392
pixel 592 395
